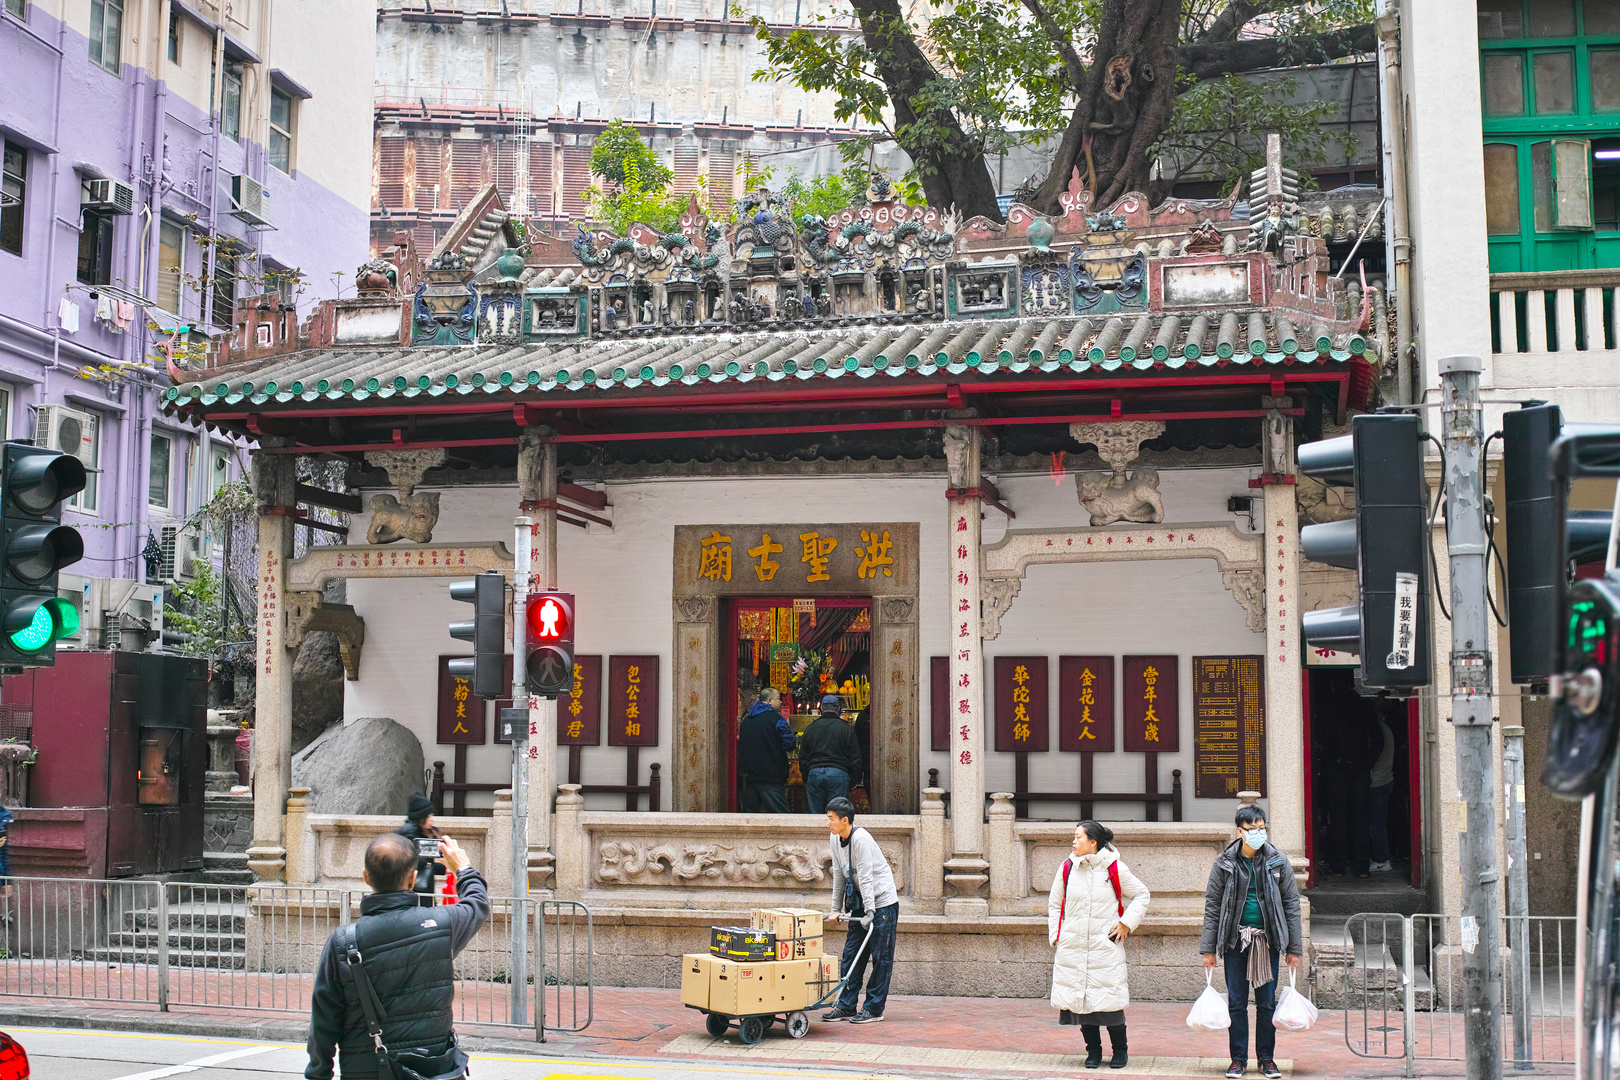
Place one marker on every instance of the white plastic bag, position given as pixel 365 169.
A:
pixel 1294 1010
pixel 1209 1012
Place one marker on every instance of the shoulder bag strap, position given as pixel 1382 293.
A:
pixel 369 1002
pixel 1113 879
pixel 1064 903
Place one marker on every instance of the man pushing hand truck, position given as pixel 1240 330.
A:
pixel 864 894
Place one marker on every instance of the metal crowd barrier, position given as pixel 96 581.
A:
pixel 258 948
pixel 1402 983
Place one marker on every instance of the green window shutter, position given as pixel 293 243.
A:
pixel 1572 184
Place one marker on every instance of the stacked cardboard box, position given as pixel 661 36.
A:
pixel 733 980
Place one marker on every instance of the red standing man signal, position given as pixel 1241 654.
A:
pixel 549 665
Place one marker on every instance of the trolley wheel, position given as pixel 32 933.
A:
pixel 717 1024
pixel 769 1020
pixel 798 1025
pixel 751 1029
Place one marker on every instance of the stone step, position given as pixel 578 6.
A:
pixel 178 939
pixel 186 958
pixel 232 879
pixel 227 918
pixel 225 860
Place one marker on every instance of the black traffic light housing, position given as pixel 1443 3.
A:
pixel 486 630
pixel 549 666
pixel 34 547
pixel 1386 543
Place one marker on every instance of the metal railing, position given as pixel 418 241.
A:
pixel 1402 983
pixel 209 946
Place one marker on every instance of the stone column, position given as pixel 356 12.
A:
pixel 1285 713
pixel 571 850
pixel 537 479
pixel 301 853
pixel 274 478
pixel 966 869
pixel 498 846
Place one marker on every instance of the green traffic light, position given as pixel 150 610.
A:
pixel 67 618
pixel 53 620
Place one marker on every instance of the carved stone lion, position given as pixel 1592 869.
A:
pixel 392 520
pixel 1112 497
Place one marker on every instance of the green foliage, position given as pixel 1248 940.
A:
pixel 835 192
pixel 197 608
pixel 621 157
pixel 636 184
pixel 1218 131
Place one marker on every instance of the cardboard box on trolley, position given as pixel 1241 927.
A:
pixel 799 984
pixel 798 931
pixel 746 988
pixel 696 971
pixel 742 987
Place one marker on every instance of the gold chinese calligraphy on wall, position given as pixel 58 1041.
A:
pixel 632 701
pixel 814 559
pixel 461 715
pixel 1152 704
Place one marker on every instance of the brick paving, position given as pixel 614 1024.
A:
pixel 977 1037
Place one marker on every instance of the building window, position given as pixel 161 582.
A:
pixel 13 188
pixel 281 131
pixel 106 33
pixel 223 312
pixel 161 472
pixel 82 430
pixel 18 8
pixel 174 38
pixel 1501 189
pixel 231 106
pixel 170 267
pixel 5 412
pixel 96 248
pixel 221 471
pixel 1504 84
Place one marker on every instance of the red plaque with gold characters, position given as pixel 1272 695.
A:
pixel 461 714
pixel 632 701
pixel 1022 720
pixel 1152 704
pixel 579 709
pixel 1086 704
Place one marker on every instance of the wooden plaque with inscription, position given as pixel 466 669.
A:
pixel 1229 726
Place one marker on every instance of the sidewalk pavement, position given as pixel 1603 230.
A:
pixel 972 1037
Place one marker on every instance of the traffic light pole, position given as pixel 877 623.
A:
pixel 520 769
pixel 1471 712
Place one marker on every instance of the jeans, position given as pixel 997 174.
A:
pixel 881 953
pixel 1378 821
pixel 1237 1003
pixel 824 783
pixel 760 798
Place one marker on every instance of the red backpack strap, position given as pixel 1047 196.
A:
pixel 1113 879
pixel 1063 903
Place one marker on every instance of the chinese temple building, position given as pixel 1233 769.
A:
pixel 1022 494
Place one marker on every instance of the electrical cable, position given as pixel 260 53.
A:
pixel 1428 539
pixel 1490 533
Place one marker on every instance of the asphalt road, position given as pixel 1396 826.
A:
pixel 112 1055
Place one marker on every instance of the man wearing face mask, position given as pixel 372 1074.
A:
pixel 1251 915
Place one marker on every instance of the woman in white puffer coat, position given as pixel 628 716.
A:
pixel 1088 922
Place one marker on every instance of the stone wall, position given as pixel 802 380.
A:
pixel 227 822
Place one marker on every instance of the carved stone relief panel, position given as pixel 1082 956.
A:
pixel 697 863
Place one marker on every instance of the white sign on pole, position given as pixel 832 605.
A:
pixel 1406 590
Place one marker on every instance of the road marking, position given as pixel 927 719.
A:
pixel 200 1063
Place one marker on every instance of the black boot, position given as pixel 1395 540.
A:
pixel 1093 1036
pixel 1116 1036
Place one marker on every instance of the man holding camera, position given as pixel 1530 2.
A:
pixel 386 982
pixel 864 894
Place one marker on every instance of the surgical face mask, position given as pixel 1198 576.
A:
pixel 1254 838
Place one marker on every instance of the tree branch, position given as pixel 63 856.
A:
pixel 1239 13
pixel 1065 45
pixel 1211 60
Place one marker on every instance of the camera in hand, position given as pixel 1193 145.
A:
pixel 427 847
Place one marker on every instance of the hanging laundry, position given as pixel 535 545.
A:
pixel 104 309
pixel 67 315
pixel 123 314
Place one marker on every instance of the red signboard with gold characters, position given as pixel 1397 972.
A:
pixel 461 714
pixel 1022 721
pixel 1152 705
pixel 579 709
pixel 632 701
pixel 1086 704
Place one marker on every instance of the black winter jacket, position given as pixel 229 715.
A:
pixel 1229 887
pixel 408 952
pixel 760 756
pixel 830 743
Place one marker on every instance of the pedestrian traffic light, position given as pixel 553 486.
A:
pixel 34 546
pixel 486 630
pixel 1581 743
pixel 1386 543
pixel 549 666
pixel 1536 524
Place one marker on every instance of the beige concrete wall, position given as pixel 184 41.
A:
pixel 329 48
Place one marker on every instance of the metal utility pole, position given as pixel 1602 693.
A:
pixel 521 559
pixel 1518 894
pixel 1471 712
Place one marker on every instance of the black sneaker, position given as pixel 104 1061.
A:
pixel 837 1013
pixel 864 1017
pixel 1269 1070
pixel 1237 1070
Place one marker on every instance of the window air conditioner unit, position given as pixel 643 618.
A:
pixel 68 431
pixel 180 556
pixel 109 197
pixel 250 200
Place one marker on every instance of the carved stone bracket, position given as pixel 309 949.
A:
pixel 1118 442
pixel 308 611
pixel 406 468
pixel 1005 563
pixel 998 596
pixel 1248 588
pixel 694 609
pixel 898 610
pixel 1279 436
pixel 324 564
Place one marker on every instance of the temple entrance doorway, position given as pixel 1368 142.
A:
pixel 803 649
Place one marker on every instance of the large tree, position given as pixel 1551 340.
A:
pixel 1104 80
